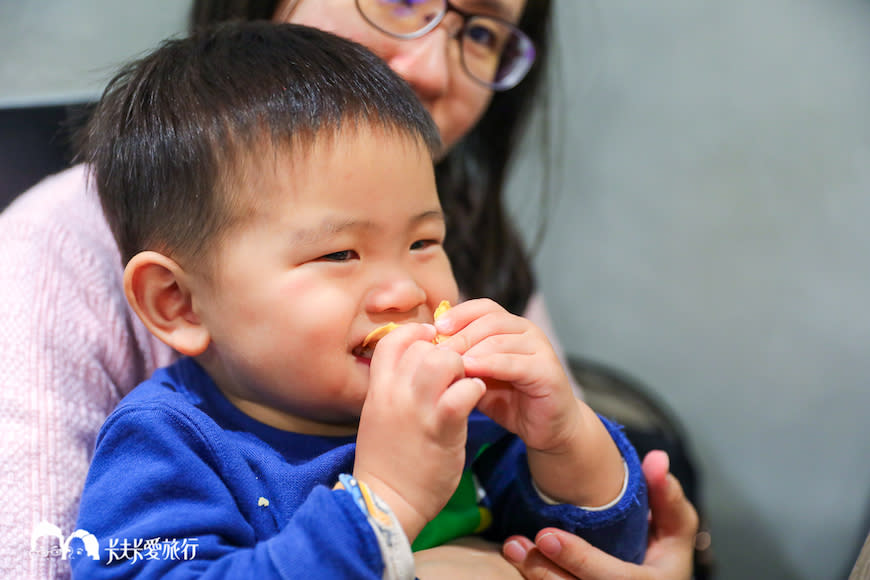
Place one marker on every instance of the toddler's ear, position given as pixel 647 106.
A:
pixel 157 289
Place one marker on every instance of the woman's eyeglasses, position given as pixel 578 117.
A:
pixel 494 52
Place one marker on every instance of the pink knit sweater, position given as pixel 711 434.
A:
pixel 70 349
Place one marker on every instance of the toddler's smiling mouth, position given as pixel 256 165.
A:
pixel 367 348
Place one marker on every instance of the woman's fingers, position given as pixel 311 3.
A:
pixel 673 514
pixel 530 562
pixel 558 555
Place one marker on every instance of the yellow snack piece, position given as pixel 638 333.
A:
pixel 442 308
pixel 380 332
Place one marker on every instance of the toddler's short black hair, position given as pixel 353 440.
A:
pixel 170 125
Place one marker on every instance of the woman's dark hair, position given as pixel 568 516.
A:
pixel 167 140
pixel 487 253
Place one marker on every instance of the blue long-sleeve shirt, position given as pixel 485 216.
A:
pixel 183 484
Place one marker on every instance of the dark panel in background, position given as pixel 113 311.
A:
pixel 34 142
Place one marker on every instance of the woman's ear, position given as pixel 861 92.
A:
pixel 157 289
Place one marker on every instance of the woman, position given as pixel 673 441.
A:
pixel 70 349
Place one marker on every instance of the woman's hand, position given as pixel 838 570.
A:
pixel 557 554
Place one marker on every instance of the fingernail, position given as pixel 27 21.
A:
pixel 514 551
pixel 549 544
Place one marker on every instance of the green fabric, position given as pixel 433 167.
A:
pixel 460 517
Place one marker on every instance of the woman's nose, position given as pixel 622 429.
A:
pixel 399 293
pixel 425 63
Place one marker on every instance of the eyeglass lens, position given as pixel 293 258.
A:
pixel 493 51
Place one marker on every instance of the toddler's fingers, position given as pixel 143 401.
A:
pixel 508 367
pixel 468 323
pixel 460 398
pixel 461 314
pixel 398 340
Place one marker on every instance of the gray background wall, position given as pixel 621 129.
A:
pixel 67 49
pixel 708 233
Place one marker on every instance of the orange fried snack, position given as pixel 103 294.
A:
pixel 442 308
pixel 380 332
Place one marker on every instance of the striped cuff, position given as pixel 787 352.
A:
pixel 394 545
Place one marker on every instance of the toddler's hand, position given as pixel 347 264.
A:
pixel 414 423
pixel 528 392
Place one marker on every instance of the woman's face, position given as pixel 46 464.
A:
pixel 430 64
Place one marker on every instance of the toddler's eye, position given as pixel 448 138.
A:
pixel 341 256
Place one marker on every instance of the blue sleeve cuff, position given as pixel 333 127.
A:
pixel 620 530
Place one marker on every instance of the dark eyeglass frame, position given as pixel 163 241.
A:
pixel 514 78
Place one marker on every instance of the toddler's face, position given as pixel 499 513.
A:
pixel 346 237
